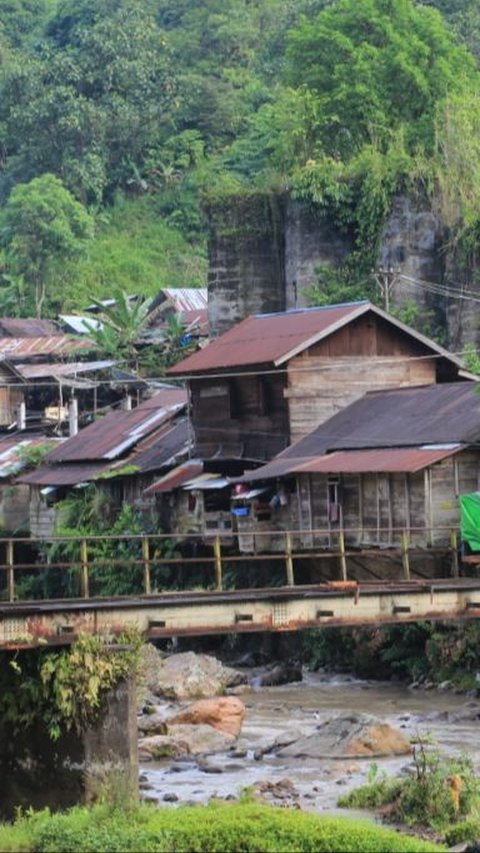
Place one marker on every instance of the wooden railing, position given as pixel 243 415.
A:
pixel 73 567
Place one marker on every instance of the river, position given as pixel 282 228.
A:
pixel 295 710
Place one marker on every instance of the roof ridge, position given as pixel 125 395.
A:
pixel 311 309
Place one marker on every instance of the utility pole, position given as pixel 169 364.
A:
pixel 386 278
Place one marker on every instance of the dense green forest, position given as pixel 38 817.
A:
pixel 120 119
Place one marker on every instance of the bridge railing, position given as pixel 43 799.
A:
pixel 120 565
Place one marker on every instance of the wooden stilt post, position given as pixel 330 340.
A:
pixel 84 569
pixel 10 572
pixel 147 586
pixel 343 558
pixel 217 552
pixel 405 555
pixel 289 560
pixel 454 550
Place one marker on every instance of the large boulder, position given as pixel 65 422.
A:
pixel 225 714
pixel 200 739
pixel 191 676
pixel 352 736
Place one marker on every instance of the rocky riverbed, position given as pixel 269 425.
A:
pixel 292 742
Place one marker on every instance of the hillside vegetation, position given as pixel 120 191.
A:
pixel 133 113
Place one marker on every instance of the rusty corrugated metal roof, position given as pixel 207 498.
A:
pixel 408 418
pixel 275 338
pixel 14 451
pixel 187 298
pixel 26 327
pixel 176 477
pixel 119 431
pixel 395 459
pixel 71 368
pixel 63 475
pixel 160 449
pixel 404 417
pixel 46 345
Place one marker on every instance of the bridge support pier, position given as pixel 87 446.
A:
pixel 77 768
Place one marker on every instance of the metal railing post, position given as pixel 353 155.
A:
pixel 454 549
pixel 289 560
pixel 343 558
pixel 405 539
pixel 217 552
pixel 10 572
pixel 84 569
pixel 147 586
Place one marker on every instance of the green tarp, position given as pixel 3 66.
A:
pixel 470 519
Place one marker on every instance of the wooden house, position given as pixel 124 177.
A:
pixel 121 453
pixel 271 379
pixel 386 470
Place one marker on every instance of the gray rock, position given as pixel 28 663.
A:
pixel 192 676
pixel 355 736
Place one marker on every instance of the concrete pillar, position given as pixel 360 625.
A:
pixel 37 771
pixel 73 417
pixel 21 415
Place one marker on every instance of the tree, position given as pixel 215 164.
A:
pixel 377 65
pixel 91 99
pixel 120 326
pixel 44 226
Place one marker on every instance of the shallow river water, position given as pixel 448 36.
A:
pixel 295 710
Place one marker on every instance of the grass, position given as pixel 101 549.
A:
pixel 216 828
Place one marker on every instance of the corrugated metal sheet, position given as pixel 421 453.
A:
pixel 80 325
pixel 432 414
pixel 264 338
pixel 187 298
pixel 161 449
pixel 63 475
pixel 396 459
pixel 60 345
pixel 196 320
pixel 278 467
pixel 30 327
pixel 37 371
pixel 274 338
pixel 176 477
pixel 120 431
pixel 12 450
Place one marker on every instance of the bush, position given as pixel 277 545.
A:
pixel 441 791
pixel 242 827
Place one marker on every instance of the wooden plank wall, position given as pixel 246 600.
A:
pixel 315 392
pixel 245 416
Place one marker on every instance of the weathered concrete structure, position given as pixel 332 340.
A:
pixel 37 771
pixel 265 252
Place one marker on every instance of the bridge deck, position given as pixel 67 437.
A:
pixel 57 622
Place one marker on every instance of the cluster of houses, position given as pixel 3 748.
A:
pixel 308 423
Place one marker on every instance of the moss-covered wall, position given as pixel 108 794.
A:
pixel 246 258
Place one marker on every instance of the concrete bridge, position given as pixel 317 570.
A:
pixel 57 622
pixel 39 772
pixel 340 599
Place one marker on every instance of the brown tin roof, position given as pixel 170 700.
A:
pixel 276 338
pixel 59 345
pixel 29 327
pixel 395 459
pixel 63 475
pixel 431 418
pixel 119 431
pixel 176 477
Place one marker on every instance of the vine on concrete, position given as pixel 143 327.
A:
pixel 63 690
